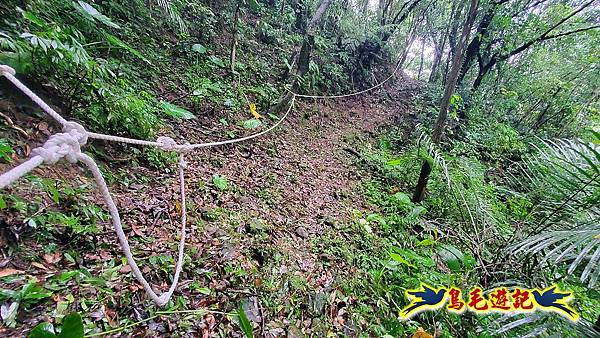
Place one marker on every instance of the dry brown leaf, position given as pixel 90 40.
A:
pixel 137 230
pixel 9 271
pixel 43 126
pixel 52 258
pixel 39 265
pixel 125 269
pixel 420 333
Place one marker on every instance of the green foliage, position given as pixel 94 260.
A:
pixel 251 124
pixel 64 43
pixel 5 150
pixel 244 323
pixel 30 294
pixel 175 111
pixel 562 180
pixel 72 328
pixel 220 182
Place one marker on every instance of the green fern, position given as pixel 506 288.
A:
pixel 173 15
pixel 563 179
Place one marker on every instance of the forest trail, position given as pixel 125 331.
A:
pixel 283 191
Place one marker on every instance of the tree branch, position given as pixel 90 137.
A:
pixel 544 36
pixel 571 32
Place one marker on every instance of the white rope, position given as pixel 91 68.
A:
pixel 68 145
pixel 19 171
pixel 116 220
pixel 350 94
pixel 9 73
pixel 168 144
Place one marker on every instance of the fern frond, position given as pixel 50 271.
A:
pixel 541 324
pixel 577 247
pixel 172 15
pixel 563 181
pixel 434 153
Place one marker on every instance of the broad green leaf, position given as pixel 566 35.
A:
pixel 451 256
pixel 251 124
pixel 220 182
pixel 245 324
pixel 176 111
pixel 402 199
pixel 5 150
pixel 204 291
pixel 394 163
pixel 417 211
pixel 33 18
pixel 72 326
pixel 253 4
pixel 43 330
pixel 273 117
pixel 401 260
pixel 198 48
pixel 92 12
pixel 116 42
pixel 426 242
pixel 217 61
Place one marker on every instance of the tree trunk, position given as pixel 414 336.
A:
pixel 421 62
pixel 475 45
pixel 304 56
pixel 438 128
pixel 234 40
pixel 453 77
pixel 455 14
pixel 301 11
pixel 419 193
pixel 437 60
pixel 408 43
pixel 303 62
pixel 323 6
pixel 307 43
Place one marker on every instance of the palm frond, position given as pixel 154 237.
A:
pixel 563 180
pixel 434 153
pixel 577 247
pixel 173 15
pixel 541 324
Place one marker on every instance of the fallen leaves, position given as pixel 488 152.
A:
pixel 52 258
pixel 125 269
pixel 9 271
pixel 39 265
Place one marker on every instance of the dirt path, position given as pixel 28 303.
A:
pixel 246 241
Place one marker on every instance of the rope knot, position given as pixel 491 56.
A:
pixel 58 146
pixel 166 143
pixel 4 69
pixel 77 131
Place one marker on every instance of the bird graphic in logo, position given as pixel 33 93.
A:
pixel 550 299
pixel 425 298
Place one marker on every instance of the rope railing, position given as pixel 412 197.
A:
pixel 339 96
pixel 68 145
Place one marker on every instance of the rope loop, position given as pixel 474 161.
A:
pixel 4 69
pixel 182 162
pixel 77 130
pixel 166 143
pixel 58 146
